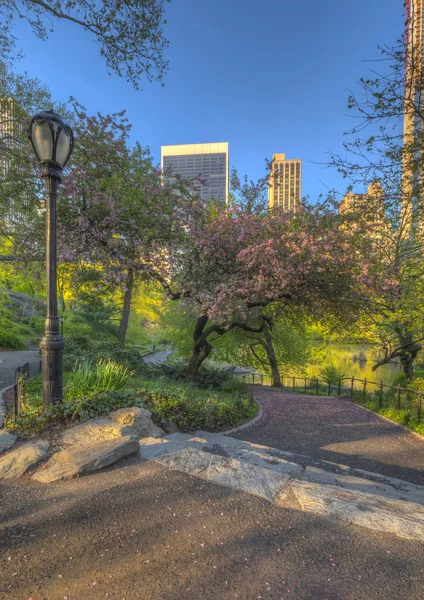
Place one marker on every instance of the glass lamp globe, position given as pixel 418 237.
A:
pixel 51 138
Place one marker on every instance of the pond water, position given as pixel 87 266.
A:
pixel 356 361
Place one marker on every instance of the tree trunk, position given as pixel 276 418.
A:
pixel 269 349
pixel 407 361
pixel 125 315
pixel 201 349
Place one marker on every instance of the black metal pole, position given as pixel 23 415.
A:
pixel 52 343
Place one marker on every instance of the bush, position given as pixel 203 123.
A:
pixel 205 379
pixel 331 374
pixel 234 384
pixel 190 410
pixel 400 380
pixel 130 357
pixel 101 403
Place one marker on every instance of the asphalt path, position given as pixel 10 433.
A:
pixel 338 431
pixel 12 359
pixel 157 358
pixel 138 531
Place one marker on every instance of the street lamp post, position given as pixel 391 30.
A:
pixel 52 141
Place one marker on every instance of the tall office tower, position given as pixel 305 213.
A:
pixel 285 183
pixel 413 126
pixel 208 162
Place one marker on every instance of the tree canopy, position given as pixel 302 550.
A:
pixel 129 32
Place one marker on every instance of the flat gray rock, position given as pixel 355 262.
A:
pixel 259 481
pixel 398 484
pixel 404 519
pixel 79 461
pixel 7 440
pixel 318 476
pixel 15 463
pixel 139 420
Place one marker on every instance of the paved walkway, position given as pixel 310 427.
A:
pixel 157 358
pixel 11 360
pixel 337 431
pixel 141 532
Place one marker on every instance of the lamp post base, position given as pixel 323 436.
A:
pixel 51 347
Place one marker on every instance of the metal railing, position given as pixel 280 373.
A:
pixel 359 389
pixel 19 387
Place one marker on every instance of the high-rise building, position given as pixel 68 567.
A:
pixel 207 162
pixel 285 183
pixel 413 127
pixel 369 206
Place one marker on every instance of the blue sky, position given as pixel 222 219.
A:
pixel 267 76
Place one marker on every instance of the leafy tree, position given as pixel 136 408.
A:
pixel 129 32
pixel 240 263
pixel 248 195
pixel 280 345
pixel 386 145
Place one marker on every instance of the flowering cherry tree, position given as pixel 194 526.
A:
pixel 240 263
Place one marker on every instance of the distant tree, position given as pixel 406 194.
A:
pixel 248 195
pixel 129 32
pixel 280 345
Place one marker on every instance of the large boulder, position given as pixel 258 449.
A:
pixel 93 431
pixel 120 423
pixel 24 305
pixel 15 463
pixel 7 440
pixel 79 461
pixel 137 419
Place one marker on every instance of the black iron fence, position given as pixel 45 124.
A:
pixel 20 386
pixel 381 394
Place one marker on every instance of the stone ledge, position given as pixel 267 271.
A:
pixel 17 462
pixel 404 519
pixel 79 461
pixel 265 483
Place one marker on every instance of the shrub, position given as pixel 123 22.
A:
pixel 205 379
pixel 197 412
pixel 130 357
pixel 101 403
pixel 331 374
pixel 234 384
pixel 400 380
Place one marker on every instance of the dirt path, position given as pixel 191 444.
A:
pixel 337 431
pixel 141 532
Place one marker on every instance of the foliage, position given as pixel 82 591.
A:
pixel 188 408
pixel 385 150
pixel 206 378
pixel 405 418
pixel 87 378
pixel 13 332
pixel 400 380
pixel 283 341
pixel 129 34
pixel 331 374
pixel 183 404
